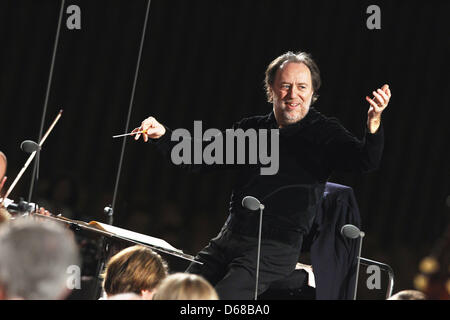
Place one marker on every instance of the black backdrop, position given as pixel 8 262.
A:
pixel 205 60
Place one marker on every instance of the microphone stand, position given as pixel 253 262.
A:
pixel 104 245
pixel 352 232
pixel 253 204
pixel 261 209
pixel 37 152
pixel 361 236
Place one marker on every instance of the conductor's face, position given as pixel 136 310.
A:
pixel 292 93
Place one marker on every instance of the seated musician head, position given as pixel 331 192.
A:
pixel 136 269
pixel 408 295
pixel 185 286
pixel 3 165
pixel 35 257
pixel 4 214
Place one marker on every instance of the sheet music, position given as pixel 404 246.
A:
pixel 135 236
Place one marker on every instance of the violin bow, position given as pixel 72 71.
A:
pixel 31 157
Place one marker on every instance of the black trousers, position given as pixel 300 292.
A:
pixel 229 264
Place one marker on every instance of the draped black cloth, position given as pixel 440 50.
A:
pixel 333 256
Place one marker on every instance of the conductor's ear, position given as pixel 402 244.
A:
pixel 270 94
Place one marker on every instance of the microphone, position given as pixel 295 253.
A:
pixel 29 146
pixel 108 210
pixel 352 232
pixel 252 203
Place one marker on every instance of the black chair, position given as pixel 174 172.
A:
pixel 333 257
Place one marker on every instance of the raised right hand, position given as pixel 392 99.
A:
pixel 153 129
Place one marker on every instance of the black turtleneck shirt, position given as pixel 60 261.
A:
pixel 309 151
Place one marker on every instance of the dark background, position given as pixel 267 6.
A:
pixel 205 60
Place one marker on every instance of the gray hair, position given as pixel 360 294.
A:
pixel 299 57
pixel 34 259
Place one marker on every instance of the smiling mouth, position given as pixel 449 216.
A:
pixel 292 105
